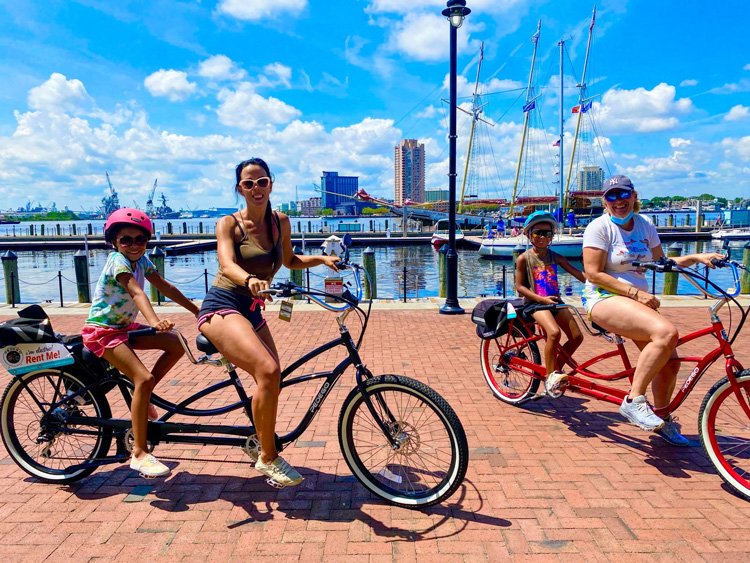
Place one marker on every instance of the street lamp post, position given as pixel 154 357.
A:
pixel 455 12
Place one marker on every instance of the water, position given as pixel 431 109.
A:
pixel 39 282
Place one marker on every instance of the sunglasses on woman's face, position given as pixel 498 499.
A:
pixel 614 195
pixel 542 233
pixel 263 182
pixel 138 240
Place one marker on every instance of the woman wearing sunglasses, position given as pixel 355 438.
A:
pixel 252 245
pixel 616 297
pixel 117 300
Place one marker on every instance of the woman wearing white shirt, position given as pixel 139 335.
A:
pixel 616 297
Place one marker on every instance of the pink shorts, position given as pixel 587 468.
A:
pixel 99 338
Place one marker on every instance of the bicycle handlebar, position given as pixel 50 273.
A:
pixel 669 265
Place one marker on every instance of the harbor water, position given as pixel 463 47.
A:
pixel 40 281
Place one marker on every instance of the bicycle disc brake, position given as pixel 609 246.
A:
pixel 406 437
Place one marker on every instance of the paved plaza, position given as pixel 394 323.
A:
pixel 565 479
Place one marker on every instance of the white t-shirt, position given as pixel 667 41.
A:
pixel 623 247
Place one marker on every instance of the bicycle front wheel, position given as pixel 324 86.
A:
pixel 506 381
pixel 428 462
pixel 39 438
pixel 725 432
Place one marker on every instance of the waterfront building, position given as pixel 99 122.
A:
pixel 338 191
pixel 435 194
pixel 310 207
pixel 408 167
pixel 590 178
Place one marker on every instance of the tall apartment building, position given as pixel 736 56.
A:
pixel 309 207
pixel 336 189
pixel 408 164
pixel 590 178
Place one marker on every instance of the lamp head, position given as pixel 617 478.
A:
pixel 456 12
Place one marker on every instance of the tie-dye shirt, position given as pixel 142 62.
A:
pixel 112 306
pixel 541 274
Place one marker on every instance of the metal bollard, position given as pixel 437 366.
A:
pixel 10 273
pixel 443 271
pixel 59 286
pixel 169 228
pixel 670 278
pixel 205 278
pixel 404 283
pixel 59 230
pixel 371 279
pixel 42 229
pixel 297 276
pixel 90 229
pixel 745 279
pixel 200 227
pixel 81 265
pixel 157 257
pixel 184 228
pixel 670 220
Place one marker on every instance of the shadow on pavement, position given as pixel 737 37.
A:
pixel 322 496
pixel 669 460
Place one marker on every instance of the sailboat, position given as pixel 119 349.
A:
pixel 570 246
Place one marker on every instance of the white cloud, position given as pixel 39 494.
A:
pixel 746 67
pixel 732 87
pixel 244 109
pixel 276 74
pixel 676 142
pixel 641 110
pixel 171 84
pixel 437 6
pixel 256 10
pixel 737 113
pixel 421 36
pixel 689 82
pixel 58 94
pixel 738 148
pixel 220 67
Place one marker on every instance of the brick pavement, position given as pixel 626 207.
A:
pixel 564 479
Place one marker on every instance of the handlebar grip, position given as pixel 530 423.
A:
pixel 150 331
pixel 723 263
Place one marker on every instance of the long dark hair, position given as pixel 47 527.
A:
pixel 269 212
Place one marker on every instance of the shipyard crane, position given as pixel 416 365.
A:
pixel 111 202
pixel 150 201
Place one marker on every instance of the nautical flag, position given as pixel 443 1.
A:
pixel 586 107
pixel 556 143
pixel 576 109
pixel 528 107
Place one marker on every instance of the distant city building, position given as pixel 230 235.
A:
pixel 431 196
pixel 590 178
pixel 338 190
pixel 408 167
pixel 311 206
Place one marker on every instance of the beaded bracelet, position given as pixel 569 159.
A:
pixel 248 278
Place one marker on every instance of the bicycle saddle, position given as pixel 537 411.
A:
pixel 204 345
pixel 601 329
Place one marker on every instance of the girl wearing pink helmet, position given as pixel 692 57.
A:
pixel 117 300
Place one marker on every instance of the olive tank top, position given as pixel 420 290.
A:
pixel 541 274
pixel 252 258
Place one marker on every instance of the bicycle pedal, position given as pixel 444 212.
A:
pixel 274 484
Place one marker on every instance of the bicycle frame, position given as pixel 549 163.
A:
pixel 584 380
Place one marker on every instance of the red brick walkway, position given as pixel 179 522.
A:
pixel 555 479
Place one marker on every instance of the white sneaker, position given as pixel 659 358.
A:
pixel 554 382
pixel 639 413
pixel 279 472
pixel 148 466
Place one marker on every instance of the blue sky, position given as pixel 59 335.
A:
pixel 181 91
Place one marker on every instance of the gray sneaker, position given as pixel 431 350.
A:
pixel 639 413
pixel 280 474
pixel 671 433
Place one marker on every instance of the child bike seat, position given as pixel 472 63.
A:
pixel 204 345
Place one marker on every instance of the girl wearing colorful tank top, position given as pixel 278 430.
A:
pixel 536 282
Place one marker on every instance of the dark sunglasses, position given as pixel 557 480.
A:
pixel 542 233
pixel 263 182
pixel 614 195
pixel 139 240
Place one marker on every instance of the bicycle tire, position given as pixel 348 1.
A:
pixel 33 437
pixel 404 477
pixel 726 436
pixel 506 383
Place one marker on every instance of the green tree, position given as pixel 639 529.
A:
pixel 326 212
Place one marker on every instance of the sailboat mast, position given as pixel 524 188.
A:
pixel 561 44
pixel 475 109
pixel 529 98
pixel 581 102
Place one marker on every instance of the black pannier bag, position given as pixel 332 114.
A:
pixel 29 343
pixel 491 316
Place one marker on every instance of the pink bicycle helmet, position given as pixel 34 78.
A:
pixel 127 216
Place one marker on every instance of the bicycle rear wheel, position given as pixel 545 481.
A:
pixel 39 439
pixel 430 459
pixel 725 432
pixel 507 382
